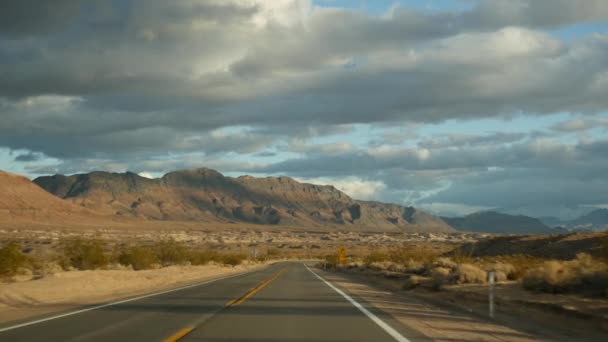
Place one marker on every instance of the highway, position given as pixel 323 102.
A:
pixel 283 302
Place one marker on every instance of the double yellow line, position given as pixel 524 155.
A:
pixel 238 301
pixel 254 290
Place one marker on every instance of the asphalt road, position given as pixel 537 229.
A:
pixel 284 302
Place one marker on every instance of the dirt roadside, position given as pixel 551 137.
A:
pixel 65 291
pixel 442 320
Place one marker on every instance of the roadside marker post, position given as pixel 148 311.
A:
pixel 491 281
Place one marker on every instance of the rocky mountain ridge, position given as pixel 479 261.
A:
pixel 208 196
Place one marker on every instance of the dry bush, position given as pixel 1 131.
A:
pixel 406 255
pixel 139 257
pixel 460 256
pixel 582 274
pixel 355 265
pixel 469 274
pixel 439 277
pixel 48 268
pixel 170 252
pixel 445 263
pixel 375 257
pixel 413 281
pixel 84 255
pixel 231 259
pixel 273 253
pixel 377 265
pixel 329 261
pixel 504 271
pixel 12 260
pixel 414 266
pixel 202 257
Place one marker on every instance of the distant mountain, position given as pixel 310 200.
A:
pixel 493 222
pixel 595 220
pixel 208 196
pixel 560 212
pixel 551 221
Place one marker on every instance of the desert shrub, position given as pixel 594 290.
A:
pixel 439 277
pixel 395 267
pixel 414 266
pixel 378 265
pixel 232 259
pixel 412 282
pixel 139 257
pixel 469 274
pixel 582 274
pixel 375 257
pixel 84 255
pixel 355 265
pixel 170 252
pixel 461 256
pixel 504 271
pixel 48 268
pixel 12 260
pixel 412 254
pixel 329 261
pixel 445 263
pixel 273 253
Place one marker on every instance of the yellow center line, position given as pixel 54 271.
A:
pixel 242 299
pixel 179 334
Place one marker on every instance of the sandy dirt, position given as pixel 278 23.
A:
pixel 435 323
pixel 67 290
pixel 462 310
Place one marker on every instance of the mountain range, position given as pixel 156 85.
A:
pixel 594 221
pixel 205 195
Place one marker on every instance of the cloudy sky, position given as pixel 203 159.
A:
pixel 450 105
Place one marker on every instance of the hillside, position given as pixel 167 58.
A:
pixel 557 246
pixel 206 195
pixel 493 222
pixel 22 199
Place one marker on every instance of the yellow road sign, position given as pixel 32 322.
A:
pixel 342 255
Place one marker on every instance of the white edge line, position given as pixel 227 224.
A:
pixel 387 328
pixel 118 302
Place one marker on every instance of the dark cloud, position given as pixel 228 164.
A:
pixel 159 85
pixel 29 17
pixel 28 157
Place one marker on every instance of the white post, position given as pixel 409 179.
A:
pixel 491 277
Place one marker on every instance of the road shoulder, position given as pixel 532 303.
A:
pixel 432 322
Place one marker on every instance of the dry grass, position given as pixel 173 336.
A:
pixel 583 274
